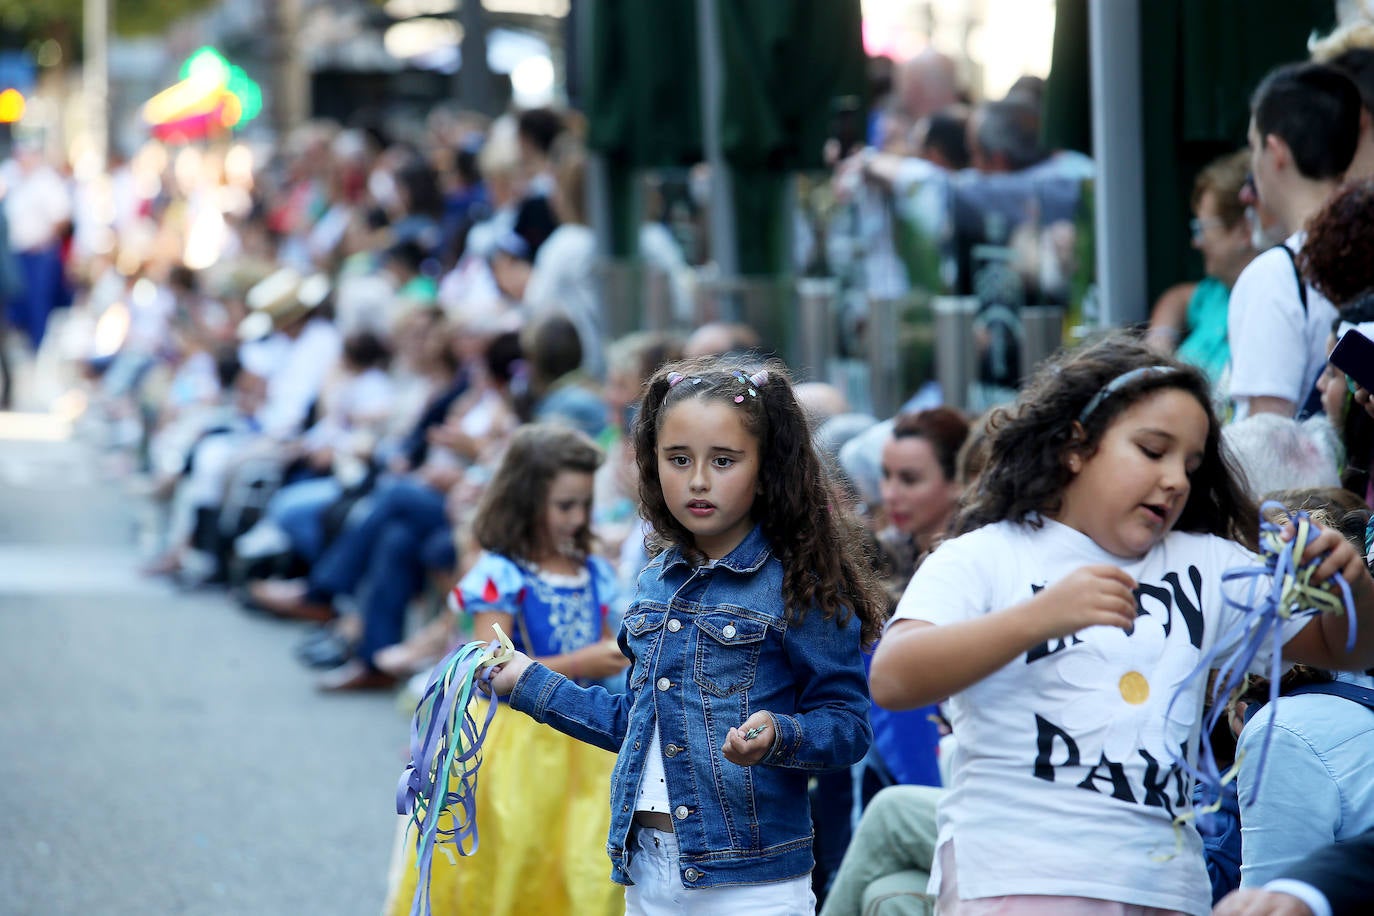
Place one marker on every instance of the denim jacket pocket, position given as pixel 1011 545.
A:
pixel 643 626
pixel 728 652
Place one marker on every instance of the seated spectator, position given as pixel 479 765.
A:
pixel 557 389
pixel 1197 326
pixel 719 338
pixel 1336 880
pixel 1279 453
pixel 1318 785
pixel 1338 260
pixel 887 866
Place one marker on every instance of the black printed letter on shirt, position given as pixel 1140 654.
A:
pixel 1045 735
pixel 1045 649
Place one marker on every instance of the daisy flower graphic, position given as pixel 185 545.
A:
pixel 1124 686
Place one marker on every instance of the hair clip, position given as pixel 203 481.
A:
pixel 674 378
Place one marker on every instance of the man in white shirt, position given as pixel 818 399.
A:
pixel 1304 128
pixel 39 208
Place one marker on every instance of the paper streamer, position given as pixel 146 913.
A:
pixel 445 748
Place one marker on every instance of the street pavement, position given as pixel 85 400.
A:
pixel 160 751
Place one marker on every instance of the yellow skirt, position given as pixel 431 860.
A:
pixel 543 812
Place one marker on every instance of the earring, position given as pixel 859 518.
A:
pixel 1075 464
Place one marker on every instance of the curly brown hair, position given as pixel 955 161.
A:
pixel 1029 442
pixel 510 516
pixel 818 540
pixel 1338 256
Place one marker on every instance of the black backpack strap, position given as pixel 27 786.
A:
pixel 1352 692
pixel 1297 274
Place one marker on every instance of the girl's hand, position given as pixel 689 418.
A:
pixel 1090 596
pixel 506 675
pixel 745 751
pixel 1340 555
pixel 600 659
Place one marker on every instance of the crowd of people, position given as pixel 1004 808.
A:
pixel 774 652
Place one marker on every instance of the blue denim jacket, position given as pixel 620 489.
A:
pixel 710 646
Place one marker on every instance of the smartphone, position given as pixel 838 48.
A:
pixel 1354 355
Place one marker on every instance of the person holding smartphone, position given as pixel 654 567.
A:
pixel 1338 261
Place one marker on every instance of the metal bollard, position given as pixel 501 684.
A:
pixel 658 301
pixel 619 282
pixel 814 344
pixel 1042 334
pixel 884 373
pixel 955 359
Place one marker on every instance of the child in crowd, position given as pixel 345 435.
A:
pixel 1084 588
pixel 744 640
pixel 540 809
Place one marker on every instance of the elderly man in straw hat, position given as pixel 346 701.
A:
pixel 288 347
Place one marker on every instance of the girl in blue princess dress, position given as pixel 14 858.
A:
pixel 744 640
pixel 541 810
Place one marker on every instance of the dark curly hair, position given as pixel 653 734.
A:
pixel 1027 472
pixel 510 516
pixel 817 539
pixel 1338 256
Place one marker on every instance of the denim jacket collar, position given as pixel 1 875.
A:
pixel 750 554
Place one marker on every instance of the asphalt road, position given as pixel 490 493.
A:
pixel 160 751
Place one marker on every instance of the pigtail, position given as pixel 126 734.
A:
pixel 820 542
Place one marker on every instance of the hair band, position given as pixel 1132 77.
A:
pixel 1121 381
pixel 674 378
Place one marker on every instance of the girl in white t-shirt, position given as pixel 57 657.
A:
pixel 1084 587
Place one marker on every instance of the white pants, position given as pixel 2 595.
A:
pixel 658 890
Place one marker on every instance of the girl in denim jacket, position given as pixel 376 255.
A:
pixel 744 641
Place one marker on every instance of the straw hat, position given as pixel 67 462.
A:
pixel 281 299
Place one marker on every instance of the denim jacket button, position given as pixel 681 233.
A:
pixel 691 874
pixel 680 812
pixel 671 750
pixel 729 631
pixel 664 683
pixel 674 625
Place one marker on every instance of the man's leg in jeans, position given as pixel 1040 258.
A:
pixel 896 834
pixel 394 576
pixel 298 509
pixel 342 565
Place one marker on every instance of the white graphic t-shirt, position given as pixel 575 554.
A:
pixel 1065 780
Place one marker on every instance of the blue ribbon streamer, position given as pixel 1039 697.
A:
pixel 1274 592
pixel 445 740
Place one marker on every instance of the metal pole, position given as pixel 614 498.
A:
pixel 474 77
pixel 954 346
pixel 724 251
pixel 291 106
pixel 1114 60
pixel 96 76
pixel 1042 334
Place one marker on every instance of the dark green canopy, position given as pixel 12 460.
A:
pixel 783 67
